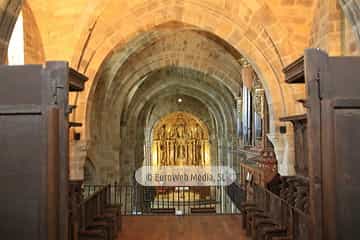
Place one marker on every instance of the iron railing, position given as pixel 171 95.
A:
pixel 140 200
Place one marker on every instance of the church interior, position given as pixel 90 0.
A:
pixel 93 91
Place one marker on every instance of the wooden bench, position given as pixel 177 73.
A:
pixel 163 210
pixel 98 234
pixel 203 210
pixel 267 215
pixel 259 223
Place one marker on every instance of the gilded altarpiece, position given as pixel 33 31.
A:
pixel 180 139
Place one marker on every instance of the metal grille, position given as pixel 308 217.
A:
pixel 140 200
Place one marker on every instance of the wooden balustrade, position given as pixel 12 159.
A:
pixel 250 172
pixel 253 174
pixel 267 216
pixel 236 193
pixel 75 199
pixel 260 171
pixel 94 217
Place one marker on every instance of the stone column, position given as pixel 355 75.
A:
pixel 239 102
pixel 9 11
pixel 247 75
pixel 259 113
pixel 77 159
pixel 285 151
pixel 266 125
pixel 351 9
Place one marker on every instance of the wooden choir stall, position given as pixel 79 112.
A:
pixel 34 151
pixel 327 153
pixel 321 200
pixel 34 156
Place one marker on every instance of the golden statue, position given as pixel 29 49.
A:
pixel 181 145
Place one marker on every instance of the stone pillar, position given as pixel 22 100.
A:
pixel 239 102
pixel 247 75
pixel 351 9
pixel 77 159
pixel 266 125
pixel 285 151
pixel 259 113
pixel 9 11
pixel 107 163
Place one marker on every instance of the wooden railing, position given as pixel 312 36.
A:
pixel 93 215
pixel 237 193
pixel 259 169
pixel 94 206
pixel 250 172
pixel 293 222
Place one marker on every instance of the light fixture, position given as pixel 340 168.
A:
pixel 179 100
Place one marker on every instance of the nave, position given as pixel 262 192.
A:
pixel 93 92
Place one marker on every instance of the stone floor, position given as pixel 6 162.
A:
pixel 212 227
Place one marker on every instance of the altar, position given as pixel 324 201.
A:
pixel 180 139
